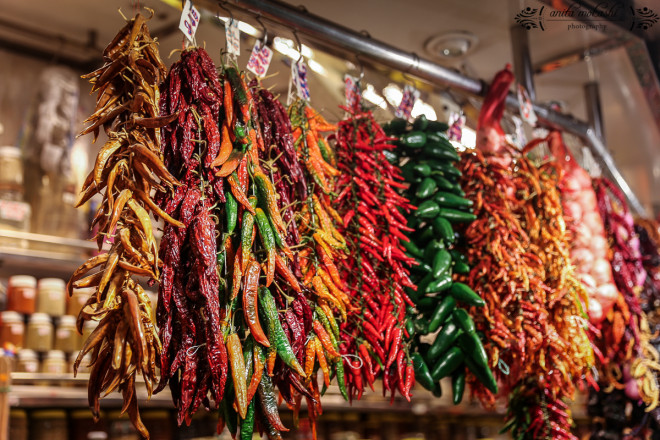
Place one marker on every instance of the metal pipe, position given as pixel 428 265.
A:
pixel 522 61
pixel 594 111
pixel 327 33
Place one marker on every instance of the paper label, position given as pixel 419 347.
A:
pixel 16 329
pixel 62 333
pixel 14 211
pixel 189 20
pixel 299 75
pixel 456 124
pixel 410 95
pixel 260 59
pixel 233 37
pixel 43 331
pixel 351 90
pixel 525 105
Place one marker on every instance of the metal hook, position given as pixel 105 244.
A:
pixel 359 61
pixel 264 40
pixel 300 54
pixel 221 5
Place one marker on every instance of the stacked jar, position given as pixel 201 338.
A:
pixel 36 320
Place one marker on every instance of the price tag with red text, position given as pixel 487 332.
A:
pixel 299 75
pixel 351 90
pixel 233 37
pixel 260 59
pixel 189 20
pixel 410 95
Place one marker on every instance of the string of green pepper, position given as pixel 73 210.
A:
pixel 442 333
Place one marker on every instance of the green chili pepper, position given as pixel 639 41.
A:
pixel 426 188
pixel 422 374
pixel 439 285
pixel 483 375
pixel 448 364
pixel 422 169
pixel 236 87
pixel 247 225
pixel 437 390
pixel 427 209
pixel 438 150
pixel 463 320
pixel 462 292
pixel 456 216
pixel 231 211
pixel 443 183
pixel 398 125
pixel 431 249
pixel 443 340
pixel 441 262
pixel 457 256
pixel 441 313
pixel 229 415
pixel 327 326
pixel 437 127
pixel 412 248
pixel 276 333
pixel 247 424
pixel 458 385
pixel 414 139
pixel 450 200
pixel 461 268
pixel 341 379
pixel 265 231
pixel 472 346
pixel 443 228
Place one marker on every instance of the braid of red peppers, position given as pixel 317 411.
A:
pixel 633 360
pixel 194 356
pixel 128 166
pixel 371 211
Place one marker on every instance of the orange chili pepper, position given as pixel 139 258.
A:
pixel 256 376
pixel 250 303
pixel 229 104
pixel 310 357
pixel 226 148
pixel 324 337
pixel 238 372
pixel 323 363
pixel 238 193
pixel 286 273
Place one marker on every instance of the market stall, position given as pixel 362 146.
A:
pixel 257 261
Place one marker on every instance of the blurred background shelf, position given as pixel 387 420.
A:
pixel 41 255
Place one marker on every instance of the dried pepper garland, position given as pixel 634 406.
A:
pixel 519 250
pixel 128 167
pixel 373 222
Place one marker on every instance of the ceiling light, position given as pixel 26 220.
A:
pixel 244 27
pixel 317 67
pixel 373 97
pixel 422 108
pixel 393 94
pixel 451 45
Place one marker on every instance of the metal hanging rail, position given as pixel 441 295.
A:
pixel 326 33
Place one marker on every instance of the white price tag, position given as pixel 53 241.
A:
pixel 525 104
pixel 410 95
pixel 351 90
pixel 189 20
pixel 14 211
pixel 233 37
pixel 299 75
pixel 259 59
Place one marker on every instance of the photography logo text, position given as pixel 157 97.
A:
pixel 582 18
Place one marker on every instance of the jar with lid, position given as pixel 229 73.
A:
pixel 51 297
pixel 66 335
pixel 28 362
pixel 11 173
pixel 55 363
pixel 22 294
pixel 12 329
pixel 39 333
pixel 48 425
pixel 78 300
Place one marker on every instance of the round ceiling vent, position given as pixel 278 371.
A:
pixel 451 45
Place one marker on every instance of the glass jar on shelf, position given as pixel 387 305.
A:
pixel 48 425
pixel 39 333
pixel 78 300
pixel 28 361
pixel 11 173
pixel 12 329
pixel 22 294
pixel 51 296
pixel 55 363
pixel 66 335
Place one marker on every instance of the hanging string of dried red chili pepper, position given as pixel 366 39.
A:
pixel 372 224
